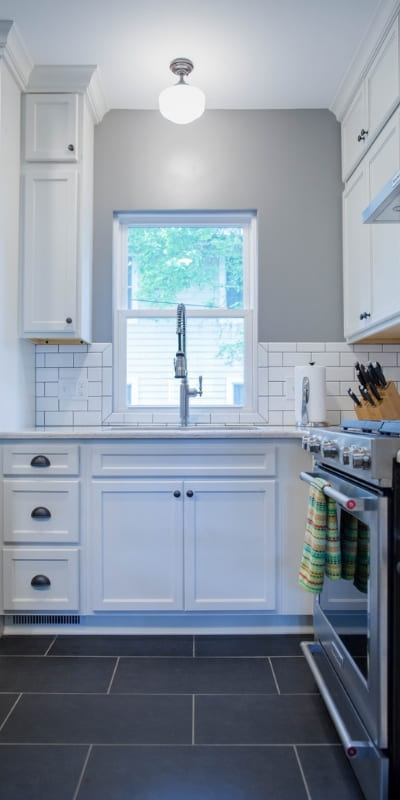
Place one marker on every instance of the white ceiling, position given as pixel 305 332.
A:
pixel 248 54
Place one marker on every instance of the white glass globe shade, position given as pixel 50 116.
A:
pixel 182 103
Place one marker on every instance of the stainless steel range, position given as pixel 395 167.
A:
pixel 355 658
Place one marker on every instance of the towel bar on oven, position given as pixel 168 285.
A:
pixel 349 503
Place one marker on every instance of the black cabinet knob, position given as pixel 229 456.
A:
pixel 71 148
pixel 68 320
pixel 40 512
pixel 365 315
pixel 189 493
pixel 177 493
pixel 40 461
pixel 39 581
pixel 361 136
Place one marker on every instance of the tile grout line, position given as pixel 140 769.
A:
pixel 273 675
pixel 302 772
pixel 7 717
pixel 83 770
pixel 113 675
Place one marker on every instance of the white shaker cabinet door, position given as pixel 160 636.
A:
pixel 356 254
pixel 49 252
pixel 137 550
pixel 230 535
pixel 50 127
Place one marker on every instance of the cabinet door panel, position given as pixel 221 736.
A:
pixel 230 545
pixel 50 251
pixel 383 82
pixel 138 553
pixel 352 124
pixel 356 252
pixel 51 127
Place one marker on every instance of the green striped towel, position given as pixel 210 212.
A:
pixel 354 539
pixel 321 550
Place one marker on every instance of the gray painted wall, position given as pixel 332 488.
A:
pixel 284 164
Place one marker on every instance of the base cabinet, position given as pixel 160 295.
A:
pixel 184 545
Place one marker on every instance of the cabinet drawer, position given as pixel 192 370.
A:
pixel 57 579
pixel 40 511
pixel 244 458
pixel 40 459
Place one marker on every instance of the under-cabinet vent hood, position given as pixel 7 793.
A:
pixel 385 207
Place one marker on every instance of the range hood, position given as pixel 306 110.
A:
pixel 385 207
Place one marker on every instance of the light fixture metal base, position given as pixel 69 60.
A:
pixel 181 66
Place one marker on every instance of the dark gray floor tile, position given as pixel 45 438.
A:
pixel 48 773
pixel 328 773
pixel 262 719
pixel 293 675
pixel 24 645
pixel 193 675
pixel 101 719
pixel 268 645
pixel 123 646
pixel 39 674
pixel 192 773
pixel 6 703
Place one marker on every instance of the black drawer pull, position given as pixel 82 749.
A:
pixel 40 461
pixel 40 512
pixel 39 581
pixel 189 493
pixel 177 493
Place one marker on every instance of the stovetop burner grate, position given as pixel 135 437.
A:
pixel 380 427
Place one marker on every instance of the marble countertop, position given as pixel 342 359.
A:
pixel 158 432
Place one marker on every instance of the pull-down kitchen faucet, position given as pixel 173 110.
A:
pixel 181 367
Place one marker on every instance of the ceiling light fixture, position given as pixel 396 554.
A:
pixel 181 103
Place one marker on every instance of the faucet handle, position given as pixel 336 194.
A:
pixel 200 390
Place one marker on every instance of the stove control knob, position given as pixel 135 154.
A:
pixel 314 444
pixel 360 458
pixel 305 440
pixel 329 449
pixel 345 455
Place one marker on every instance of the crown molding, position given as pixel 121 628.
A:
pixel 15 53
pixel 82 79
pixel 382 20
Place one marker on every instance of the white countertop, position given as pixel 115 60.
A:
pixel 158 432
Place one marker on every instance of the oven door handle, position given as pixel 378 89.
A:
pixel 349 503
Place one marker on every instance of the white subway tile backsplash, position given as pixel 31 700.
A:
pixel 276 363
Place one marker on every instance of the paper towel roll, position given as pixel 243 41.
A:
pixel 316 405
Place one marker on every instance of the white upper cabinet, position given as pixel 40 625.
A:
pixel 56 217
pixel 371 253
pixel 373 103
pixel 51 127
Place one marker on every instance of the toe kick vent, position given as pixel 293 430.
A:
pixel 42 619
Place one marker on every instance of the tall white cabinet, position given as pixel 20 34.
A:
pixel 57 208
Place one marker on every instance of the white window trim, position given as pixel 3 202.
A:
pixel 207 413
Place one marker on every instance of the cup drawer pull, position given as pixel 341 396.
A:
pixel 40 461
pixel 40 512
pixel 38 581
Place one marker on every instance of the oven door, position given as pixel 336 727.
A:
pixel 350 657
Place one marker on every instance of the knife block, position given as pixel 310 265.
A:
pixel 386 408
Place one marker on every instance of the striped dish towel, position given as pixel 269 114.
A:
pixel 354 540
pixel 321 550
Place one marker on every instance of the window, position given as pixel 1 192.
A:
pixel 206 261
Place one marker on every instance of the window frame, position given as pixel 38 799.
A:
pixel 121 221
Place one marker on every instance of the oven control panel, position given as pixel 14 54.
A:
pixel 355 456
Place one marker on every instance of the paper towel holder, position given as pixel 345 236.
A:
pixel 305 398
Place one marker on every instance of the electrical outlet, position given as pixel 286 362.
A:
pixel 73 389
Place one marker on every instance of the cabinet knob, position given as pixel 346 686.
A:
pixel 39 581
pixel 365 315
pixel 71 148
pixel 189 493
pixel 361 136
pixel 68 320
pixel 40 512
pixel 177 493
pixel 40 461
